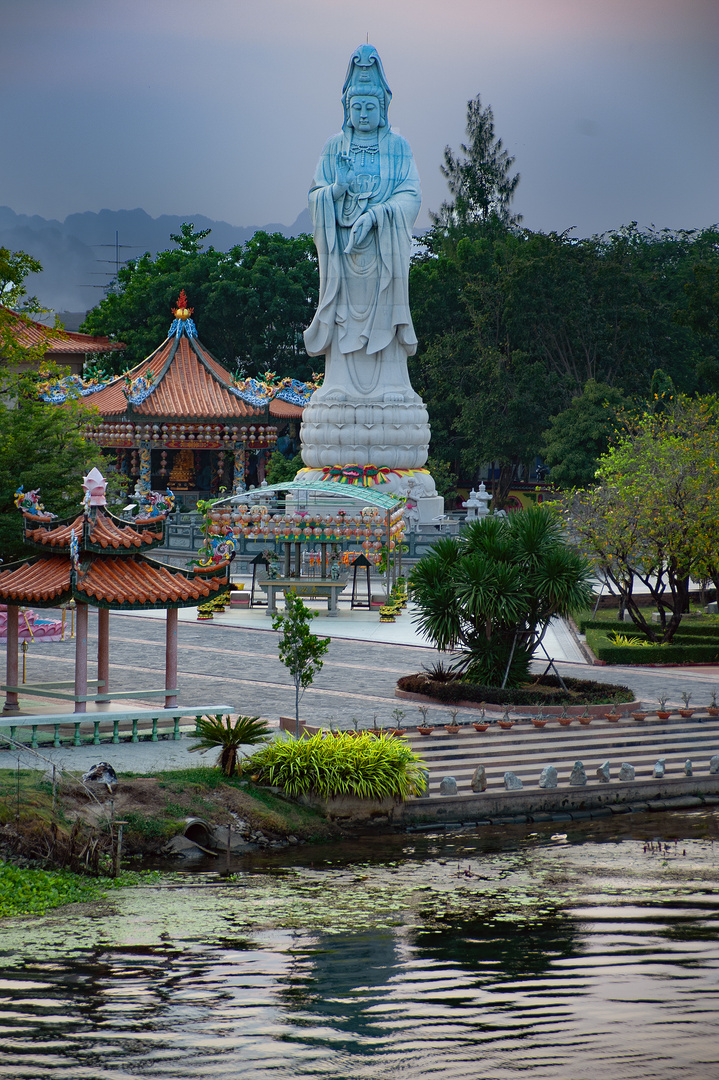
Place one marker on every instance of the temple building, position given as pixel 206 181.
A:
pixel 181 420
pixel 66 349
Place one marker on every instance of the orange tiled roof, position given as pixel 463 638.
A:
pixel 36 582
pixel 115 581
pixel 285 409
pixel 104 532
pixel 29 333
pixel 108 581
pixel 190 383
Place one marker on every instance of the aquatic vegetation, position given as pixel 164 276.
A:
pixel 366 765
pixel 29 891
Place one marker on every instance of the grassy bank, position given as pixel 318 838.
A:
pixel 73 829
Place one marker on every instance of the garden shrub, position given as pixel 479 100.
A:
pixel 544 690
pixel 689 648
pixel 365 765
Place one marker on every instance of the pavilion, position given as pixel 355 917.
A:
pixel 181 420
pixel 98 560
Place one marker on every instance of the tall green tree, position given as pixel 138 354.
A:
pixel 41 446
pixel 652 517
pixel 478 177
pixel 251 304
pixel 578 436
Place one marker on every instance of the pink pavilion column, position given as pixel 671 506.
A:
pixel 103 649
pixel 80 657
pixel 171 659
pixel 11 700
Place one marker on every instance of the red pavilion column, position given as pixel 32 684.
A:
pixel 103 649
pixel 80 657
pixel 171 659
pixel 11 700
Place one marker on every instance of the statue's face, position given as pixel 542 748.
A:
pixel 364 114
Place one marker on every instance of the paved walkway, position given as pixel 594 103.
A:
pixel 233 660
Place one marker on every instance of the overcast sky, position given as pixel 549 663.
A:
pixel 221 107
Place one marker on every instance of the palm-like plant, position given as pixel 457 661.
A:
pixel 492 594
pixel 214 732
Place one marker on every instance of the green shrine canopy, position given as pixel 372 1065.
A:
pixel 369 496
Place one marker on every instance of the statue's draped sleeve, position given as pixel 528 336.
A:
pixel 394 207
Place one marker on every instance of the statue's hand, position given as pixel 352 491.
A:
pixel 360 230
pixel 345 172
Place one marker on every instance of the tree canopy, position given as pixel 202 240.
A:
pixel 251 304
pixel 513 325
pixel 652 517
pixel 41 446
pixel 479 178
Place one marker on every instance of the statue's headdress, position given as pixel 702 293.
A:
pixel 365 76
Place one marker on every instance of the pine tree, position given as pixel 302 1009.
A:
pixel 479 178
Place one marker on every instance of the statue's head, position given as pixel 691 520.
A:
pixel 365 78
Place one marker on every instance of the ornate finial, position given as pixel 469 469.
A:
pixel 94 485
pixel 181 310
pixel 182 323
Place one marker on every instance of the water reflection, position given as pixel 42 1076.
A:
pixel 540 958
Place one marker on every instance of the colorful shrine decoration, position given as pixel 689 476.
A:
pixel 57 391
pixel 182 323
pixel 261 392
pixel 155 505
pixel 367 526
pixel 139 389
pixel 29 503
pixel 361 475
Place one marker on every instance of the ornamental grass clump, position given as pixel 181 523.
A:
pixel 365 765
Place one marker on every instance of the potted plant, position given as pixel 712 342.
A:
pixel 424 728
pixel 540 719
pixel 585 718
pixel 482 724
pixel 565 719
pixel 453 728
pixel 505 722
pixel 398 716
pixel 712 707
pixel 662 712
pixel 686 712
pixel 639 715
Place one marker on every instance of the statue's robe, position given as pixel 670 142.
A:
pixel 363 309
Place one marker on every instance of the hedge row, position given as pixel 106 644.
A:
pixel 546 690
pixel 693 628
pixel 685 649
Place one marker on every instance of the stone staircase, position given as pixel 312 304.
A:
pixel 525 750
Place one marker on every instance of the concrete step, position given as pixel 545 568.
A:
pixel 526 750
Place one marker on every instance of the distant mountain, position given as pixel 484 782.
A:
pixel 78 254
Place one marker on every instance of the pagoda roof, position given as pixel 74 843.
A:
pixel 114 581
pixel 103 532
pixel 96 558
pixel 29 334
pixel 180 380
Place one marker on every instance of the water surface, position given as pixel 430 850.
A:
pixel 525 954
